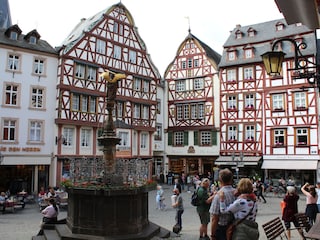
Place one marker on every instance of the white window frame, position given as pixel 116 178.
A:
pixel 75 101
pixel 132 56
pixel 278 101
pixel 13 62
pixel 85 137
pixel 11 95
pixel 144 141
pixel 231 75
pixel 205 138
pixel 180 85
pixel 101 46
pixel 198 83
pixel 36 128
pixel 117 52
pixel 178 138
pixel 9 126
pixel 38 66
pixel 248 73
pixel 250 133
pixel 232 133
pixel 37 97
pixel 300 100
pixel 68 135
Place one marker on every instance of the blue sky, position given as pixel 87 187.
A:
pixel 162 24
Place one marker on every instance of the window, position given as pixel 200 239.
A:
pixel 232 102
pixel 231 56
pixel 13 35
pixel 190 60
pixel 145 112
pixel 144 141
pixel 136 111
pixel 205 138
pixel 302 136
pixel 84 103
pixel 231 75
pixel 13 62
pixel 248 73
pixel 132 56
pixel 9 130
pixel 277 102
pixel 91 73
pixel 117 52
pixel 101 46
pixel 137 84
pixel 180 86
pixel 248 53
pixel 179 112
pixel 250 133
pixel 238 34
pixel 37 98
pixel 68 136
pixel 35 131
pixel 196 63
pixel 79 70
pixel 178 138
pixel 85 137
pixel 198 83
pixel 201 111
pixel 186 111
pixel 92 104
pixel 249 101
pixel 232 133
pixel 300 100
pixel 183 64
pixel 158 106
pixel 158 135
pixel 120 110
pixel 32 40
pixel 75 101
pixel 124 136
pixel 11 93
pixel 38 66
pixel 146 86
pixel 251 33
pixel 279 137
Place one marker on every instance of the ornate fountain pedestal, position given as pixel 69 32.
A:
pixel 114 212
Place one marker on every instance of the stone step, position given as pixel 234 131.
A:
pixel 38 238
pixel 51 234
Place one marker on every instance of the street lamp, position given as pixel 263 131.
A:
pixel 302 65
pixel 239 163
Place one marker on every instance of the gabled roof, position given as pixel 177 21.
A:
pixel 211 54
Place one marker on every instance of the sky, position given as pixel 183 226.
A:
pixel 162 24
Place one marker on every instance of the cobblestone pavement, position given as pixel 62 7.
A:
pixel 24 223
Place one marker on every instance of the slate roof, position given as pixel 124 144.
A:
pixel 5 16
pixel 265 34
pixel 22 41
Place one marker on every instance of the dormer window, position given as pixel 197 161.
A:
pixel 279 26
pixel 238 34
pixel 33 40
pixel 14 35
pixel 232 56
pixel 251 32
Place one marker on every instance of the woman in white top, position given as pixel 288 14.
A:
pixel 50 214
pixel 244 209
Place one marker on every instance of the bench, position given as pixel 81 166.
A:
pixel 303 224
pixel 274 229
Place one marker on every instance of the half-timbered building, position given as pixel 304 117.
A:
pixel 192 93
pixel 109 41
pixel 266 120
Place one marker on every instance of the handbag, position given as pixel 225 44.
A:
pixel 231 227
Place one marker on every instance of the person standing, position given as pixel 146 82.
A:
pixel 260 191
pixel 160 198
pixel 220 222
pixel 244 209
pixel 178 206
pixel 177 184
pixel 291 208
pixel 318 194
pixel 311 201
pixel 203 209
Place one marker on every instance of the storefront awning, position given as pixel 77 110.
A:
pixel 290 164
pixel 247 160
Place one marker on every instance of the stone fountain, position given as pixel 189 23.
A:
pixel 114 211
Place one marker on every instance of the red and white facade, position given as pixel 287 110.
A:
pixel 268 122
pixel 107 41
pixel 192 90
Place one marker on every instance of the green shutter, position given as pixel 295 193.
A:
pixel 214 137
pixel 196 137
pixel 170 138
pixel 185 138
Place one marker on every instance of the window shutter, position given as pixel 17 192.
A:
pixel 196 137
pixel 214 137
pixel 185 139
pixel 170 138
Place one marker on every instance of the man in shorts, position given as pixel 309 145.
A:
pixel 203 208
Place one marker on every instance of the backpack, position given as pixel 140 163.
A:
pixel 195 199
